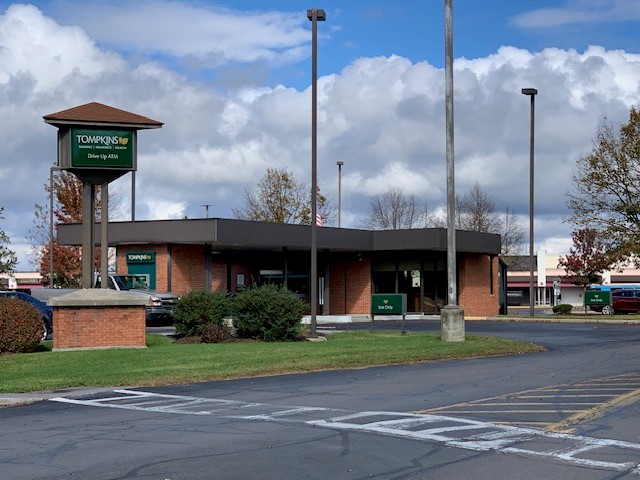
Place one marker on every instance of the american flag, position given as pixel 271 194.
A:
pixel 318 220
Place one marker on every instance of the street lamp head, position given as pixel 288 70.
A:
pixel 529 91
pixel 339 163
pixel 320 14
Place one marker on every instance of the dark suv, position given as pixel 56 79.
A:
pixel 623 301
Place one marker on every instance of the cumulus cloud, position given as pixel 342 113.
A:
pixel 382 116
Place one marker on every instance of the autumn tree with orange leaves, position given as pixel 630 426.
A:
pixel 67 208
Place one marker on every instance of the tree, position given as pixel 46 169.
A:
pixel 606 189
pixel 477 212
pixel 67 260
pixel 512 234
pixel 393 210
pixel 281 198
pixel 587 258
pixel 8 259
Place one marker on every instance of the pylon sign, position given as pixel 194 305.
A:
pixel 102 148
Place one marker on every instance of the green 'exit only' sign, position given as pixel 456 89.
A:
pixel 597 298
pixel 388 304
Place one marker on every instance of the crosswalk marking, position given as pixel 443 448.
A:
pixel 452 431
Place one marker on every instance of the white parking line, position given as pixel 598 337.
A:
pixel 455 432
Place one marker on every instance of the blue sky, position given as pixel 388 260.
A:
pixel 368 28
pixel 230 80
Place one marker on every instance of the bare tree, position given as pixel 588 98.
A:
pixel 477 212
pixel 512 234
pixel 280 197
pixel 392 210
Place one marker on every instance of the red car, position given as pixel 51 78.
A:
pixel 623 301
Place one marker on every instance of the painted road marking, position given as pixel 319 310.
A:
pixel 456 432
pixel 576 403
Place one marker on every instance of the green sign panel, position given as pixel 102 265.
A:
pixel 141 257
pixel 388 304
pixel 102 148
pixel 597 297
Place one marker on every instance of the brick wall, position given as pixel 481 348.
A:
pixel 218 275
pixel 187 272
pixel 474 293
pixel 350 293
pixel 352 297
pixel 98 327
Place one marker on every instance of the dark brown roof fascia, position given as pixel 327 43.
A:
pixel 239 234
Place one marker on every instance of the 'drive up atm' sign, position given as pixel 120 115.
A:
pixel 102 148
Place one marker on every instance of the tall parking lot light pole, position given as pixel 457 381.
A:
pixel 340 164
pixel 531 92
pixel 452 316
pixel 314 15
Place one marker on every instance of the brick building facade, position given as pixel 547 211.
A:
pixel 224 255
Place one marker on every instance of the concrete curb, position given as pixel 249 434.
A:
pixel 15 399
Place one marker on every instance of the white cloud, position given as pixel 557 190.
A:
pixel 580 12
pixel 164 209
pixel 205 34
pixel 383 117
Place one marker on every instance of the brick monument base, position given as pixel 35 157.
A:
pixel 98 318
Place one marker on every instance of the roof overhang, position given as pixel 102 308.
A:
pixel 230 234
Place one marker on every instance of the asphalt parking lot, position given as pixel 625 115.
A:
pixel 499 417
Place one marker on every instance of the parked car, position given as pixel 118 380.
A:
pixel 45 311
pixel 161 304
pixel 622 301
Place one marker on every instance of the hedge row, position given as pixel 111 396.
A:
pixel 268 312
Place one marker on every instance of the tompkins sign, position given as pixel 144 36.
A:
pixel 102 148
pixel 388 304
pixel 141 257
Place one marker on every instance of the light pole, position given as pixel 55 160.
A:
pixel 339 163
pixel 531 92
pixel 314 15
pixel 452 316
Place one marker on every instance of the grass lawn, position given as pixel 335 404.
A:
pixel 165 362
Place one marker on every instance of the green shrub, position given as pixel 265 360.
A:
pixel 563 309
pixel 197 309
pixel 268 313
pixel 21 326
